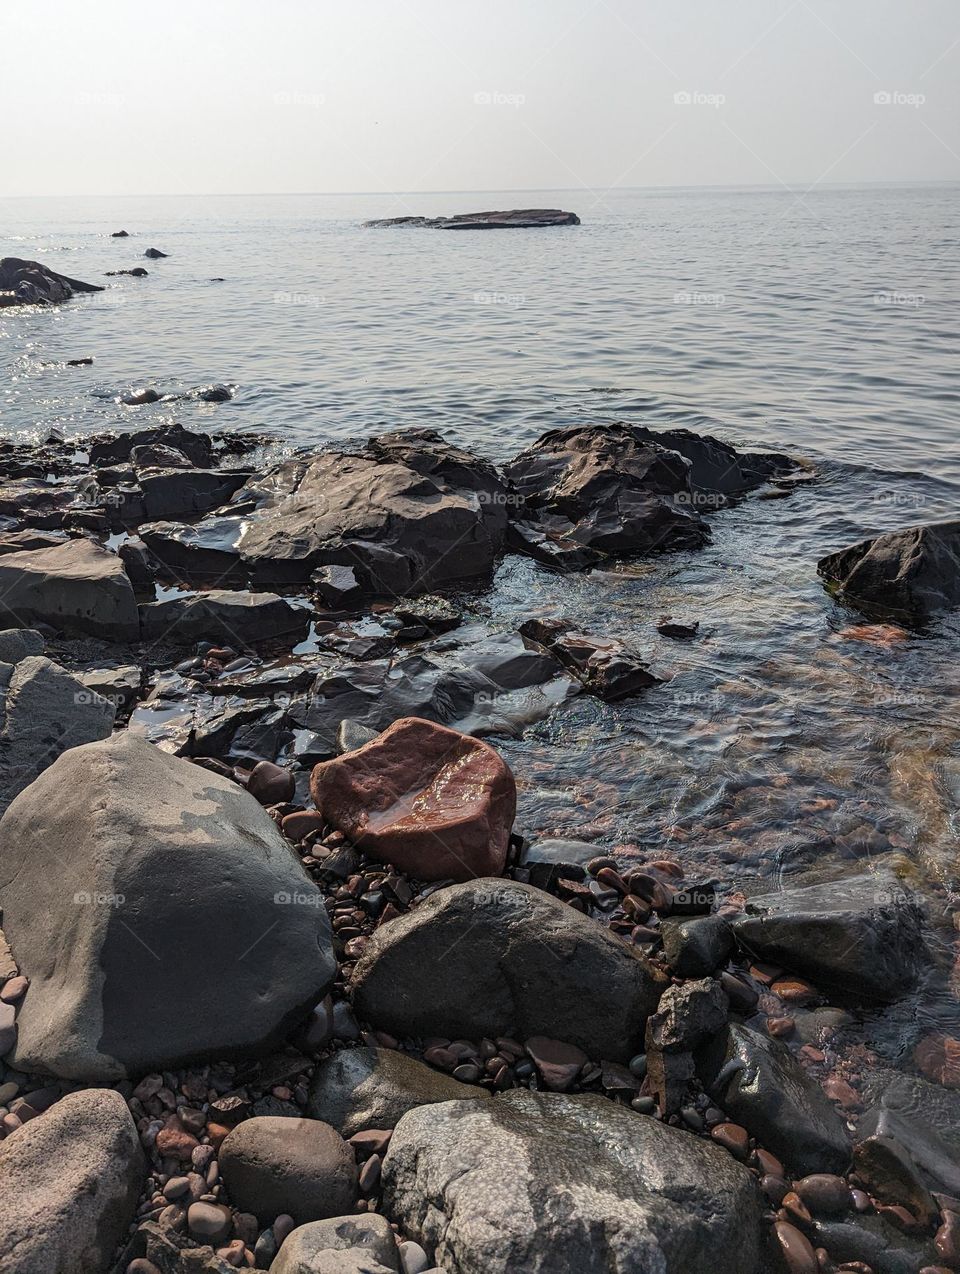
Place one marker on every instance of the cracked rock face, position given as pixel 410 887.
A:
pixel 534 967
pixel 158 913
pixel 557 1184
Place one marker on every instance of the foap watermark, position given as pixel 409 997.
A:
pixel 96 696
pixel 497 894
pixel 705 700
pixel 713 299
pixel 296 898
pixel 114 100
pixel 897 699
pixel 312 300
pixel 494 97
pixel 895 97
pixel 85 898
pixel 311 100
pixel 509 300
pixel 499 499
pixel 701 499
pixel 693 97
pixel 903 300
pixel 900 499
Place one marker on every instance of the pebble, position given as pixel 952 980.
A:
pixel 413 1259
pixel 824 1193
pixel 559 1064
pixel 947 1240
pixel 768 1164
pixel 372 1141
pixel 644 1105
pixel 467 1072
pixel 743 998
pixel 270 783
pixel 841 1092
pixel 780 1027
pixel 733 1138
pixel 775 1189
pixel 176 1187
pixel 370 1174
pixel 638 1065
pixel 210 1222
pixel 798 1254
pixel 794 991
pixel 140 1265
pixel 14 990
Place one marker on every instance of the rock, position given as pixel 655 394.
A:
pixel 44 711
pixel 716 468
pixel 352 735
pixel 669 627
pixel 155 253
pixel 922 1117
pixel 121 686
pixel 908 574
pixel 561 1184
pixel 208 1222
pixel 557 1063
pixel 688 1016
pixel 336 585
pixel 74 587
pixel 157 456
pixel 533 965
pixel 515 219
pixel 433 802
pixel 408 514
pixel 298 1166
pixel 796 1249
pixel 153 976
pixel 120 234
pixel 34 284
pixel 697 947
pixel 824 1193
pixel 242 618
pixel 79 362
pixel 891 1176
pixel 344 1245
pixel 271 784
pixel 197 447
pixel 769 1093
pixel 140 397
pixel 138 272
pixel 18 643
pixel 606 666
pixel 69 1184
pixel 185 493
pixel 359 1088
pixel 861 936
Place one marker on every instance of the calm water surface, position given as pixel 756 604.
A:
pixel 787 741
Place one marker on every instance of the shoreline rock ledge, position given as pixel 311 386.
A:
pixel 30 283
pixel 514 219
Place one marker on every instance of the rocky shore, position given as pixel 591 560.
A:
pixel 284 985
pixel 514 219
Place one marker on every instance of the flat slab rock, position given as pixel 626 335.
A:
pixel 434 802
pixel 69 1184
pixel 175 905
pixel 533 966
pixel 908 575
pixel 342 1245
pixel 557 1184
pixel 238 617
pixel 861 936
pixel 75 587
pixel 514 219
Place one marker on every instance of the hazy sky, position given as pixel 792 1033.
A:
pixel 221 96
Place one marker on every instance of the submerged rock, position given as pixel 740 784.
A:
pixel 155 253
pixel 407 513
pixel 862 936
pixel 69 1183
pixel 31 283
pixel 716 468
pixel 78 586
pixel 908 574
pixel 493 957
pixel 437 804
pixel 515 219
pixel 360 1088
pixel 606 666
pixel 186 925
pixel 559 1184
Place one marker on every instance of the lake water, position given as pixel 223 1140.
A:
pixel 787 741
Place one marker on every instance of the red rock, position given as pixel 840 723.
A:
pixel 841 1092
pixel 779 1027
pixel 431 801
pixel 824 1193
pixel 938 1057
pixel 795 1206
pixel 174 1142
pixel 302 823
pixel 947 1240
pixel 794 991
pixel 14 990
pixel 733 1138
pixel 271 783
pixel 768 1164
pixel 559 1064
pixel 798 1254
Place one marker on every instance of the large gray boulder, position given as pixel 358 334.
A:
pixel 44 710
pixel 69 1184
pixel 557 1184
pixel 862 937
pixel 342 1245
pixel 408 513
pixel 75 587
pixel 34 284
pixel 493 957
pixel 359 1088
pixel 274 1165
pixel 158 912
pixel 906 575
pixel 759 1083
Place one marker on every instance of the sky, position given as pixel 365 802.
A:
pixel 117 97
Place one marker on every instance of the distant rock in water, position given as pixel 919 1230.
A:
pixel 515 219
pixel 138 272
pixel 155 253
pixel 120 234
pixel 30 283
pixel 910 574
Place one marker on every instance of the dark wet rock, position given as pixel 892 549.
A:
pixel 603 488
pixel 862 937
pixel 428 617
pixel 174 493
pixel 211 393
pixel 359 1088
pixel 907 574
pixel 197 447
pixel 696 947
pixel 669 627
pixel 120 685
pixel 44 710
pixel 890 1175
pixel 155 253
pixel 407 513
pixel 138 272
pixel 336 585
pixel 342 1245
pixel 241 618
pixel 758 1082
pixel 561 1184
pixel 78 586
pixel 514 219
pixel 153 975
pixel 433 802
pixel 606 666
pixel 716 468
pixel 26 541
pixel 548 542
pixel 31 283
pixel 69 1183
pixel 547 861
pixel 155 455
pixel 534 967
pixel 79 362
pixel 299 1167
pixel 140 397
pixel 923 1117
pixel 120 234
pixel 36 503
pixel 869 1239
